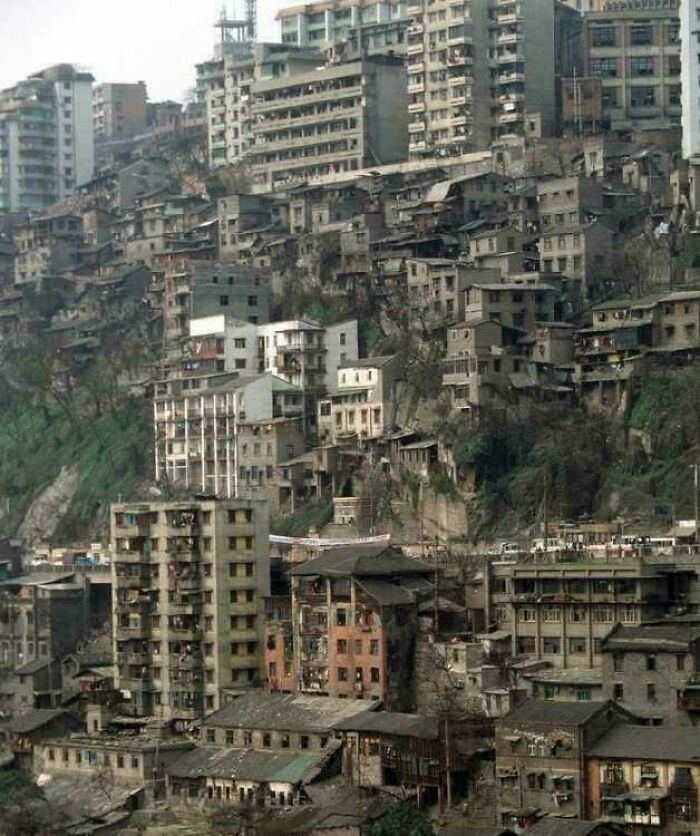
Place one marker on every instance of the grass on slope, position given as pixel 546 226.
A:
pixel 112 453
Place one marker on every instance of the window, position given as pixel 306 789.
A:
pixel 583 694
pixel 680 662
pixel 577 645
pixel 604 67
pixel 618 691
pixel 551 614
pixel 341 647
pixel 651 692
pixel 266 740
pixel 342 674
pixel 374 647
pixel 223 301
pixel 285 742
pixel 551 645
pixel 374 674
pixel 527 614
pixel 604 36
pixel 618 662
pixel 640 35
pixel 120 761
pixel 642 96
pixel 642 65
pixel 651 663
pixel 304 742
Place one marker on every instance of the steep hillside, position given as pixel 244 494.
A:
pixel 110 454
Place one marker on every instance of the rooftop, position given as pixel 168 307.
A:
pixel 367 362
pixel 33 720
pixel 373 560
pixel 284 712
pixel 654 743
pixel 392 723
pixel 657 638
pixel 248 765
pixel 554 713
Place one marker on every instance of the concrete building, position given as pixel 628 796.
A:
pixel 196 422
pixel 226 83
pixel 46 138
pixel 299 723
pixel 119 110
pixel 363 404
pixel 513 305
pixel 634 47
pixel 540 750
pixel 262 447
pixel 28 148
pixel 188 585
pixel 690 77
pixel 46 245
pixel 46 617
pixel 583 252
pixel 353 627
pixel 129 760
pixel 324 24
pixel 652 670
pixel 75 150
pixel 437 286
pixel 302 352
pixel 562 612
pixel 342 117
pixel 440 65
pixel 202 290
pixel 646 778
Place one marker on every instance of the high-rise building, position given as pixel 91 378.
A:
pixel 75 153
pixel 226 83
pixel 188 581
pixel 690 76
pixel 46 138
pixel 329 120
pixel 119 110
pixel 321 25
pixel 633 47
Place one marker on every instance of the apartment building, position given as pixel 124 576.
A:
pixel 436 288
pixel 46 245
pixel 690 77
pixel 633 46
pixel 226 83
pixel 302 352
pixel 478 363
pixel 583 252
pixel 203 290
pixel 440 64
pixel 341 117
pixel 188 583
pixel 262 447
pixel 354 625
pixel 652 670
pixel 119 110
pixel 324 24
pixel 567 201
pixel 75 151
pixel 196 420
pixel 540 767
pixel 363 404
pixel 513 305
pixel 561 612
pixel 46 617
pixel 46 138
pixel 646 778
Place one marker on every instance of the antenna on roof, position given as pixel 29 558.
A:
pixel 238 30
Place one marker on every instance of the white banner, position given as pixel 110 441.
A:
pixel 321 543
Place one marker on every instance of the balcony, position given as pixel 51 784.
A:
pixel 132 557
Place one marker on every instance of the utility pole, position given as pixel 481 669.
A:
pixel 544 511
pixel 696 477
